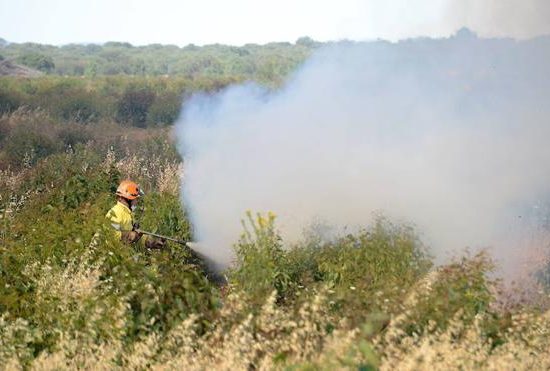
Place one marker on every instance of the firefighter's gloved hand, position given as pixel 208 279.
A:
pixel 130 237
pixel 155 243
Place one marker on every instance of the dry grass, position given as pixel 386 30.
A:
pixel 273 338
pixel 154 172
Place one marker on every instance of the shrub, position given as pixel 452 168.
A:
pixel 73 134
pixel 367 271
pixel 26 147
pixel 463 285
pixel 165 109
pixel 134 106
pixel 78 106
pixel 9 100
pixel 38 61
pixel 261 261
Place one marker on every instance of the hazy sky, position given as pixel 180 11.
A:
pixel 258 21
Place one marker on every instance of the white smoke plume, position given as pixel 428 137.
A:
pixel 399 19
pixel 451 135
pixel 520 19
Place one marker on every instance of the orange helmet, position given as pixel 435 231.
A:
pixel 128 190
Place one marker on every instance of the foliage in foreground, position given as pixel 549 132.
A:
pixel 73 297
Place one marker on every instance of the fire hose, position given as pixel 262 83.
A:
pixel 214 274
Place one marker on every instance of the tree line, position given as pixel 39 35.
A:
pixel 259 62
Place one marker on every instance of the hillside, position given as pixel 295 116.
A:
pixel 8 68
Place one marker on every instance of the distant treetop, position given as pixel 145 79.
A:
pixel 306 41
pixel 465 33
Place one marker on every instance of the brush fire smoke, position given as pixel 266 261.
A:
pixel 450 134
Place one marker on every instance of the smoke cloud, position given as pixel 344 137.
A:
pixel 520 19
pixel 451 135
pixel 398 19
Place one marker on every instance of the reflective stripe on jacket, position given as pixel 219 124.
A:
pixel 121 218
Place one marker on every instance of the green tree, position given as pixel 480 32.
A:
pixel 38 61
pixel 91 70
pixel 306 41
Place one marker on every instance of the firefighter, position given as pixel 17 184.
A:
pixel 121 216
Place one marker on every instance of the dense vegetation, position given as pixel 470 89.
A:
pixel 140 86
pixel 258 62
pixel 130 101
pixel 72 296
pixel 140 100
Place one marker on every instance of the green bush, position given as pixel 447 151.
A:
pixel 25 147
pixel 261 260
pixel 464 285
pixel 134 105
pixel 38 61
pixel 79 106
pixel 361 269
pixel 165 109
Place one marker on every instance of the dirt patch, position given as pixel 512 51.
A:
pixel 8 68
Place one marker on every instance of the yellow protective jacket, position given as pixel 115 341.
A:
pixel 121 218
